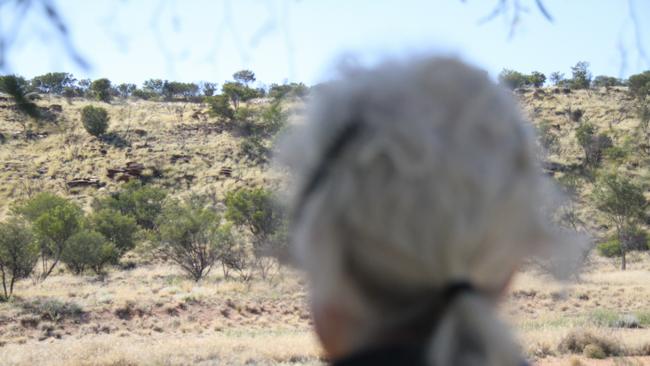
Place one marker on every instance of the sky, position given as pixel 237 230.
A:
pixel 305 40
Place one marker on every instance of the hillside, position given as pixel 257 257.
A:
pixel 184 149
pixel 179 146
pixel 146 312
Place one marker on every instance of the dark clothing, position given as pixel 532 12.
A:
pixel 387 356
pixel 411 355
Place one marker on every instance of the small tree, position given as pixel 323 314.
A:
pixel 53 82
pixel 94 120
pixel 191 235
pixel 512 79
pixel 126 90
pixel 208 88
pixel 556 78
pixel 257 211
pixel 54 220
pixel 238 92
pixel 220 106
pixel 639 85
pixel 592 144
pixel 119 229
pixel 581 76
pixel 102 90
pixel 140 201
pixel 88 250
pixel 244 76
pixel 16 87
pixel 623 203
pixel 18 254
pixel 606 81
pixel 536 79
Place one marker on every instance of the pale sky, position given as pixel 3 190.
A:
pixel 301 40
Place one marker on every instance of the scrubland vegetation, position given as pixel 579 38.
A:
pixel 140 225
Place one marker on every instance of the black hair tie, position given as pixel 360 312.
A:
pixel 454 289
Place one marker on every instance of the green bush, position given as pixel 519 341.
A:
pixel 102 89
pixel 117 228
pixel 610 248
pixel 220 106
pixel 18 254
pixel 581 76
pixel 88 250
pixel 639 85
pixel 191 234
pixel 143 202
pixel 95 120
pixel 258 212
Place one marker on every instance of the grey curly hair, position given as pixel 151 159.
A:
pixel 408 177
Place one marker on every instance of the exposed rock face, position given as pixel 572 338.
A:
pixel 85 182
pixel 131 170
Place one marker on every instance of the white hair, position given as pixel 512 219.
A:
pixel 438 184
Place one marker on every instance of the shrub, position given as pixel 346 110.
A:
pixel 274 118
pixel 581 76
pixel 53 82
pixel 610 248
pixel 18 254
pixel 238 92
pixel 95 120
pixel 578 340
pixel 606 81
pixel 257 211
pixel 88 250
pixel 53 310
pixel 220 106
pixel 536 79
pixel 16 87
pixel 191 235
pixel 278 92
pixel 593 145
pixel 117 228
pixel 512 79
pixel 101 89
pixel 546 138
pixel 556 78
pixel 639 85
pixel 594 351
pixel 139 201
pixel 54 220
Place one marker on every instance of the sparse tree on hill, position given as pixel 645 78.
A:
pixel 16 88
pixel 581 77
pixel 94 120
pixel 623 203
pixel 102 90
pixel 512 79
pixel 220 106
pixel 208 88
pixel 244 76
pixel 53 82
pixel 125 90
pixel 556 78
pixel 640 85
pixel 238 92
pixel 536 79
pixel 606 81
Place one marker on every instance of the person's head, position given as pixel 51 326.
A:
pixel 414 181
